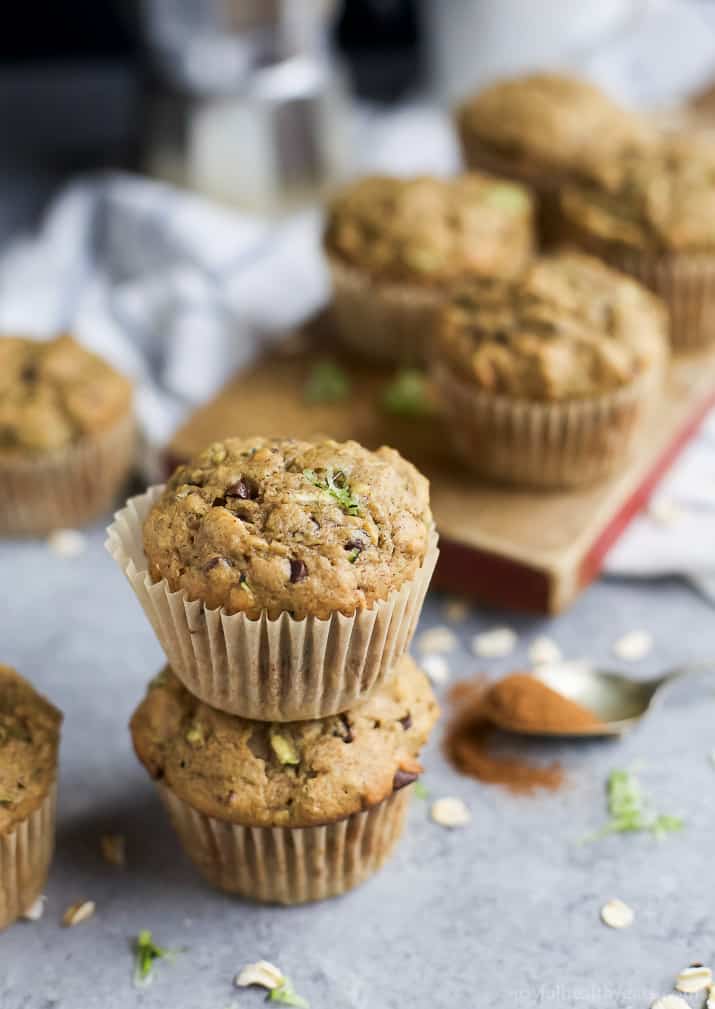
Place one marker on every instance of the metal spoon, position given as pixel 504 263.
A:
pixel 617 701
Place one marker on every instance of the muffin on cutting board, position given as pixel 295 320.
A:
pixel 546 381
pixel 286 812
pixel 543 129
pixel 651 213
pixel 394 245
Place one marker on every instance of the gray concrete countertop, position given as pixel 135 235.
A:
pixel 502 912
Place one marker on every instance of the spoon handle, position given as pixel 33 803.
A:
pixel 690 669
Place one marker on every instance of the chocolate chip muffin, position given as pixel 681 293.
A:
pixel 29 739
pixel 287 576
pixel 394 245
pixel 546 380
pixel 652 214
pixel 66 434
pixel 543 129
pixel 286 812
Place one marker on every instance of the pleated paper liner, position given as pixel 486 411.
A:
pixel 545 445
pixel 382 322
pixel 67 488
pixel 685 282
pixel 545 184
pixel 289 865
pixel 278 670
pixel 25 856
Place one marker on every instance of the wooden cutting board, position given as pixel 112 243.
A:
pixel 522 549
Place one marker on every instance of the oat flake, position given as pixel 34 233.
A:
pixel 693 979
pixel 262 973
pixel 494 644
pixel 616 914
pixel 633 646
pixel 665 511
pixel 543 651
pixel 450 812
pixel 35 911
pixel 436 668
pixel 77 913
pixel 670 1002
pixel 67 543
pixel 437 639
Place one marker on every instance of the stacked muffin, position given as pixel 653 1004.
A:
pixel 67 435
pixel 284 580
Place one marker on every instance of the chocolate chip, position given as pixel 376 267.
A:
pixel 347 736
pixel 298 570
pixel 354 545
pixel 29 373
pixel 406 722
pixel 219 502
pixel 403 778
pixel 245 489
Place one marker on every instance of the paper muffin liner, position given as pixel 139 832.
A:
pixel 545 183
pixel 545 445
pixel 68 488
pixel 685 282
pixel 382 322
pixel 289 865
pixel 277 670
pixel 25 856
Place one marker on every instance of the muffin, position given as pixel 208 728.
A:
pixel 283 578
pixel 652 214
pixel 292 812
pixel 545 382
pixel 66 435
pixel 543 129
pixel 394 245
pixel 29 739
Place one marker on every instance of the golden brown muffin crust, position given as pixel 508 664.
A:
pixel 295 774
pixel 431 231
pixel 570 329
pixel 54 393
pixel 559 120
pixel 29 738
pixel 254 524
pixel 660 199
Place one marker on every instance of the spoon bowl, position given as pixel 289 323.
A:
pixel 617 701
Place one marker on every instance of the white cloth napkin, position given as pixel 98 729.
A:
pixel 173 290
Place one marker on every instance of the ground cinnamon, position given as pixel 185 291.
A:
pixel 519 701
pixel 522 703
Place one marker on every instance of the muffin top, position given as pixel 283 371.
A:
pixel 29 737
pixel 558 120
pixel 431 230
pixel 570 329
pixel 288 774
pixel 660 199
pixel 53 393
pixel 254 524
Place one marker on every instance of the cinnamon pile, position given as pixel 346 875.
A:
pixel 517 703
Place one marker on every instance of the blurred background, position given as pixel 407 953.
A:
pixel 166 160
pixel 263 103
